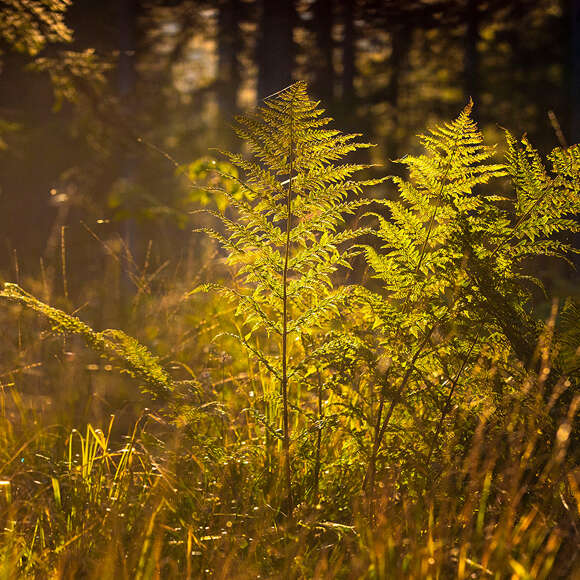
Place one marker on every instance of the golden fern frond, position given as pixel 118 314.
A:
pixel 134 358
pixel 546 202
pixel 294 150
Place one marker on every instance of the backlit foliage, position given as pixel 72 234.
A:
pixel 135 359
pixel 289 237
pixel 421 423
pixel 452 262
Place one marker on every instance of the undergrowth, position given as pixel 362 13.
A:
pixel 301 419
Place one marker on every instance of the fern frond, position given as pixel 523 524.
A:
pixel 134 358
pixel 289 236
pixel 292 146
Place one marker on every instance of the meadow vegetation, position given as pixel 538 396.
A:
pixel 348 375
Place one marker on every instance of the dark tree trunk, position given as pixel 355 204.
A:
pixel 348 53
pixel 400 45
pixel 323 85
pixel 229 46
pixel 471 86
pixel 275 56
pixel 127 79
pixel 127 46
pixel 574 71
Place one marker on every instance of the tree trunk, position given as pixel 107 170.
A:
pixel 127 47
pixel 323 85
pixel 229 46
pixel 126 79
pixel 400 45
pixel 574 71
pixel 471 86
pixel 348 53
pixel 275 56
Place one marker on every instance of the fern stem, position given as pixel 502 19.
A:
pixel 286 440
pixel 381 427
pixel 524 217
pixel 445 410
pixel 431 221
pixel 318 442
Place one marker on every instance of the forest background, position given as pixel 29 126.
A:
pixel 90 89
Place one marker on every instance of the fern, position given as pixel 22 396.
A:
pixel 542 216
pixel 452 262
pixel 289 236
pixel 134 358
pixel 569 339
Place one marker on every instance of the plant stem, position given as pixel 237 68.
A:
pixel 450 395
pixel 318 442
pixel 380 428
pixel 286 440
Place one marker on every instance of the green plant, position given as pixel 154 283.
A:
pixel 288 238
pixel 135 359
pixel 453 263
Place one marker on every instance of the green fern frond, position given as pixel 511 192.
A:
pixel 134 358
pixel 292 148
pixel 447 237
pixel 289 238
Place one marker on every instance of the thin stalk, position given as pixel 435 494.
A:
pixel 318 442
pixel 520 222
pixel 63 262
pixel 445 410
pixel 286 439
pixel 382 424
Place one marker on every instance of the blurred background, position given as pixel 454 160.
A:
pixel 101 101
